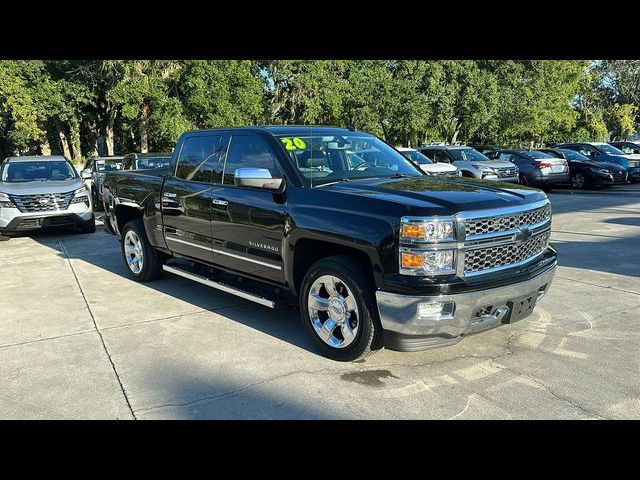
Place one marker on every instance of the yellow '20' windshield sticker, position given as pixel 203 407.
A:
pixel 294 143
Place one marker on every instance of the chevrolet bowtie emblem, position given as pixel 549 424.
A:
pixel 523 234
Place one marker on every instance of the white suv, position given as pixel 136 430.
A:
pixel 43 191
pixel 428 166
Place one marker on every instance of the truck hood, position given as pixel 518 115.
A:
pixel 442 196
pixel 40 187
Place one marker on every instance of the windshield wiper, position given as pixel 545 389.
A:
pixel 402 175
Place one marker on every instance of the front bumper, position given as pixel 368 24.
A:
pixel 475 311
pixel 21 222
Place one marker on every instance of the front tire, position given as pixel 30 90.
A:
pixel 97 204
pixel 578 180
pixel 89 226
pixel 338 309
pixel 142 260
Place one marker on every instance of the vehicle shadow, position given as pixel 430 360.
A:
pixel 102 251
pixel 628 221
pixel 567 200
pixel 214 393
pixel 609 256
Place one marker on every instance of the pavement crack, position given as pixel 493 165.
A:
pixel 55 337
pixel 596 285
pixel 95 326
pixel 545 387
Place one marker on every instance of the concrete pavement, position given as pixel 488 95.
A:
pixel 78 339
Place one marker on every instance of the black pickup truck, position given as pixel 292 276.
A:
pixel 339 223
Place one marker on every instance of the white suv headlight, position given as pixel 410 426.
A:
pixel 5 201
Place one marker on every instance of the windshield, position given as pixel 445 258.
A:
pixel 468 155
pixel 31 171
pixel 153 162
pixel 330 158
pixel 416 156
pixel 108 165
pixel 535 154
pixel 573 155
pixel 609 149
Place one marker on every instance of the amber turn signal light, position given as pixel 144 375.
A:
pixel 412 260
pixel 413 231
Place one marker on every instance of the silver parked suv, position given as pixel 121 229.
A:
pixel 472 163
pixel 37 192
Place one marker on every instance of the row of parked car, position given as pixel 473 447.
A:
pixel 97 167
pixel 582 165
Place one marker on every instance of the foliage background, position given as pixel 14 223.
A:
pixel 79 108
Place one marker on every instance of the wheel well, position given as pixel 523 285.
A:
pixel 124 214
pixel 466 174
pixel 308 252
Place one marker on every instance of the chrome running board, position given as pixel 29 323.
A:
pixel 220 286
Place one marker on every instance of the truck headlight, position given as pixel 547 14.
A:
pixel 415 230
pixel 432 262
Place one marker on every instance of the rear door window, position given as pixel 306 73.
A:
pixel 199 159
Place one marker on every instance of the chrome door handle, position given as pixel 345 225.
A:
pixel 170 195
pixel 219 201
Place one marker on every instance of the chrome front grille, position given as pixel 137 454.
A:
pixel 506 172
pixel 483 259
pixel 47 202
pixel 495 225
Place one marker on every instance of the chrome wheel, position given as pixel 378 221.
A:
pixel 333 311
pixel 577 180
pixel 133 252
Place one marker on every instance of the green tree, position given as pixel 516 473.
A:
pixel 218 93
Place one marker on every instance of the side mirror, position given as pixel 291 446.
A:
pixel 86 174
pixel 257 178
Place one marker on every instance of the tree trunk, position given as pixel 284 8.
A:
pixel 76 152
pixel 45 148
pixel 92 138
pixel 44 145
pixel 111 121
pixel 64 142
pixel 145 113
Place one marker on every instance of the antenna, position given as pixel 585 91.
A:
pixel 352 127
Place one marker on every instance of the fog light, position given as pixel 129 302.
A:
pixel 435 310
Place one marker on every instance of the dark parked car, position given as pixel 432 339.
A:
pixel 93 174
pixel 585 172
pixel 335 220
pixel 627 147
pixel 489 151
pixel 537 169
pixel 145 161
pixel 603 152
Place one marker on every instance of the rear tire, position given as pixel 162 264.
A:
pixel 523 180
pixel 97 204
pixel 346 315
pixel 143 262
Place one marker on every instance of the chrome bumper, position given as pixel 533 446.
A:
pixel 473 312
